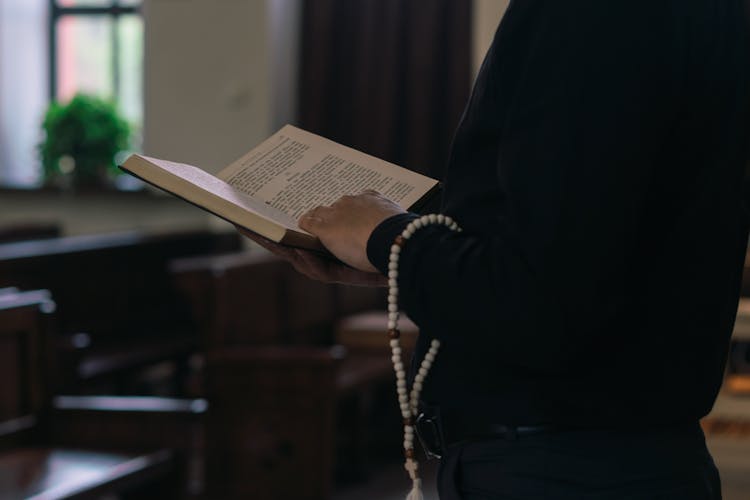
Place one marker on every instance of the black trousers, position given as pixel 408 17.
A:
pixel 663 464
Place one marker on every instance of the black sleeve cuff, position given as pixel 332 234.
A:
pixel 381 239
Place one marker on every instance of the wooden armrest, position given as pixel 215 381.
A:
pixel 277 354
pixel 366 331
pixel 50 474
pixel 127 423
pixel 361 372
pixel 131 404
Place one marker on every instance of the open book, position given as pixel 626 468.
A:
pixel 291 172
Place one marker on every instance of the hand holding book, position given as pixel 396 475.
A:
pixel 345 226
pixel 316 266
pixel 288 175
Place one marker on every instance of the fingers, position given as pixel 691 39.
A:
pixel 314 219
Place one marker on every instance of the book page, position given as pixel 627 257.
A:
pixel 294 171
pixel 220 188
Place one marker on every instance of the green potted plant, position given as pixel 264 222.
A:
pixel 81 140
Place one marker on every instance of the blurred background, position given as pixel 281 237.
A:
pixel 145 350
pixel 203 82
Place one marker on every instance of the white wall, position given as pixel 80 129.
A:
pixel 207 83
pixel 486 17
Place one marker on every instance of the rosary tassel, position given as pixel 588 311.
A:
pixel 416 490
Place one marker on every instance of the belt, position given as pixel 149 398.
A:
pixel 436 434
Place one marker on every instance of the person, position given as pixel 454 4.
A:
pixel 585 309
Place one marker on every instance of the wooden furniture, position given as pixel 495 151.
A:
pixel 272 330
pixel 33 464
pixel 118 311
pixel 365 332
pixel 737 378
pixel 30 231
pixel 730 415
pixel 134 424
pixel 277 439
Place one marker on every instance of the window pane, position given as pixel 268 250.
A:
pixel 84 56
pixel 23 88
pixel 130 74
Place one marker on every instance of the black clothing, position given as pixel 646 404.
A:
pixel 597 175
pixel 671 464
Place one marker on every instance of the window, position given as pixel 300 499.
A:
pixel 51 49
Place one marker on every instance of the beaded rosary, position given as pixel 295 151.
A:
pixel 408 402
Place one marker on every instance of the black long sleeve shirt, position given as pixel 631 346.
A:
pixel 597 174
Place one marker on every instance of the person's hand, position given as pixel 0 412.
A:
pixel 315 266
pixel 345 226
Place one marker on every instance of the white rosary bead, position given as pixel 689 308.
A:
pixel 409 400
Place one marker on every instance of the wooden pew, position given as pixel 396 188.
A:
pixel 118 311
pixel 32 463
pixel 254 298
pixel 271 422
pixel 258 305
pixel 30 231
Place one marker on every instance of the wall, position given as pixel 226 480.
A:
pixel 486 17
pixel 207 92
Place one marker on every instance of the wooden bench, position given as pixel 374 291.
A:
pixel 258 305
pixel 118 311
pixel 34 461
pixel 30 231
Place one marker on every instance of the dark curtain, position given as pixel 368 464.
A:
pixel 387 77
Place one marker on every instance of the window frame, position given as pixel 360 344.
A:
pixel 114 10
